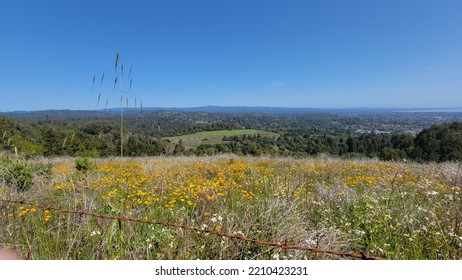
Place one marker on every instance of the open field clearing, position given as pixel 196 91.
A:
pixel 382 209
pixel 216 137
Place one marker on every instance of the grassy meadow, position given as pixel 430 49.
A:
pixel 215 137
pixel 388 210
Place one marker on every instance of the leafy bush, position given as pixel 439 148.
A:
pixel 21 174
pixel 83 164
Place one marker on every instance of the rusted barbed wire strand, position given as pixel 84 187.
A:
pixel 185 227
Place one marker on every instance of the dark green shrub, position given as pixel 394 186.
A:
pixel 83 164
pixel 21 174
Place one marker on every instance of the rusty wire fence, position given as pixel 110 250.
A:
pixel 242 238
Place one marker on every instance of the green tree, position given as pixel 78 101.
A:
pixel 439 143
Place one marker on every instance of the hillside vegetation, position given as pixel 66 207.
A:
pixel 388 136
pixel 306 182
pixel 388 210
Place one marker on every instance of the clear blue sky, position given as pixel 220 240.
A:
pixel 293 53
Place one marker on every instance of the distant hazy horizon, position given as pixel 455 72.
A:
pixel 304 54
pixel 267 108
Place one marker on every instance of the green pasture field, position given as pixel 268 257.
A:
pixel 215 137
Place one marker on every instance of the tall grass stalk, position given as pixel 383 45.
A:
pixel 118 79
pixel 118 208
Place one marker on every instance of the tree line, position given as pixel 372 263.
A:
pixel 98 135
pixel 437 143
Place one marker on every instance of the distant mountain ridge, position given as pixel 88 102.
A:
pixel 244 109
pixel 268 109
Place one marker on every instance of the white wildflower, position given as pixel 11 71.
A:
pixel 421 209
pixel 310 242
